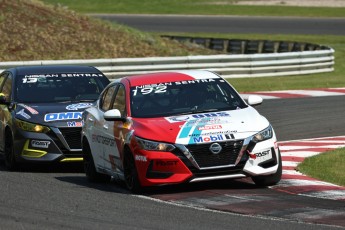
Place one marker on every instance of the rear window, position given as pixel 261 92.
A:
pixel 59 87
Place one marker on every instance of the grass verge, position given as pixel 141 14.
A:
pixel 326 166
pixel 320 80
pixel 201 7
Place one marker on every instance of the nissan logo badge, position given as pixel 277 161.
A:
pixel 215 148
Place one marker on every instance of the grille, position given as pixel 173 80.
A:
pixel 72 137
pixel 205 158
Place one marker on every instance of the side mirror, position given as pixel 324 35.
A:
pixel 254 100
pixel 113 115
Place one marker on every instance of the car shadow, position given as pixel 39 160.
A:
pixel 118 186
pixel 70 167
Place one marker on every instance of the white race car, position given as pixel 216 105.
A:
pixel 177 127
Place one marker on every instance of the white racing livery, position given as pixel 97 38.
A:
pixel 178 127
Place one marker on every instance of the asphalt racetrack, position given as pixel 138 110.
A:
pixel 230 24
pixel 61 197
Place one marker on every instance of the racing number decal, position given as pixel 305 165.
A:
pixel 29 80
pixel 148 90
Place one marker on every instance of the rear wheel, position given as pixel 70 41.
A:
pixel 272 179
pixel 131 174
pixel 89 166
pixel 10 159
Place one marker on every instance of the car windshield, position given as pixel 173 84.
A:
pixel 184 97
pixel 59 87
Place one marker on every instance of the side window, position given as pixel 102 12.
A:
pixel 106 98
pixel 120 100
pixel 7 88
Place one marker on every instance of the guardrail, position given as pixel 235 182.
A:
pixel 227 65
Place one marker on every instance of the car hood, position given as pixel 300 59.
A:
pixel 53 114
pixel 201 127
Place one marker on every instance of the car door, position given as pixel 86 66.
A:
pixel 114 132
pixel 99 135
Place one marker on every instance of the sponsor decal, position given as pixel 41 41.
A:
pixel 40 144
pixel 263 153
pixel 62 116
pixel 81 75
pixel 197 116
pixel 261 156
pixel 140 158
pixel 103 140
pixel 228 132
pixel 208 127
pixel 75 123
pixel 162 87
pixel 23 114
pixel 203 139
pixel 78 106
pixel 30 109
pixel 33 78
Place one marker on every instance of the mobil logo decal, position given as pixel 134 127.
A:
pixel 212 138
pixel 202 139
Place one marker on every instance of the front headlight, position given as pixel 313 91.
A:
pixel 31 127
pixel 263 135
pixel 155 146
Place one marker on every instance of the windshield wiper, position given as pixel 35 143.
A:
pixel 196 110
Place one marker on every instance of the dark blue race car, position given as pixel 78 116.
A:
pixel 41 109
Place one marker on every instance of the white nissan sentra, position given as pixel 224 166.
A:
pixel 177 127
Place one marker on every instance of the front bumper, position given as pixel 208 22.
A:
pixel 58 145
pixel 240 158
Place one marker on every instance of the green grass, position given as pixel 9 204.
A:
pixel 328 166
pixel 202 7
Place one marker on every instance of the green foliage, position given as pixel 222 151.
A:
pixel 202 7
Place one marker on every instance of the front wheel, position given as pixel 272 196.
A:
pixel 131 175
pixel 10 159
pixel 272 179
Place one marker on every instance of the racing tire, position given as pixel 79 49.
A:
pixel 269 180
pixel 89 167
pixel 10 158
pixel 131 174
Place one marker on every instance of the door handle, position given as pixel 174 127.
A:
pixel 105 126
pixel 90 119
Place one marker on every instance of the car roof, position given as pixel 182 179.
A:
pixel 173 76
pixel 44 69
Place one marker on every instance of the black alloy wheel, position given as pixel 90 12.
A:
pixel 131 175
pixel 10 159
